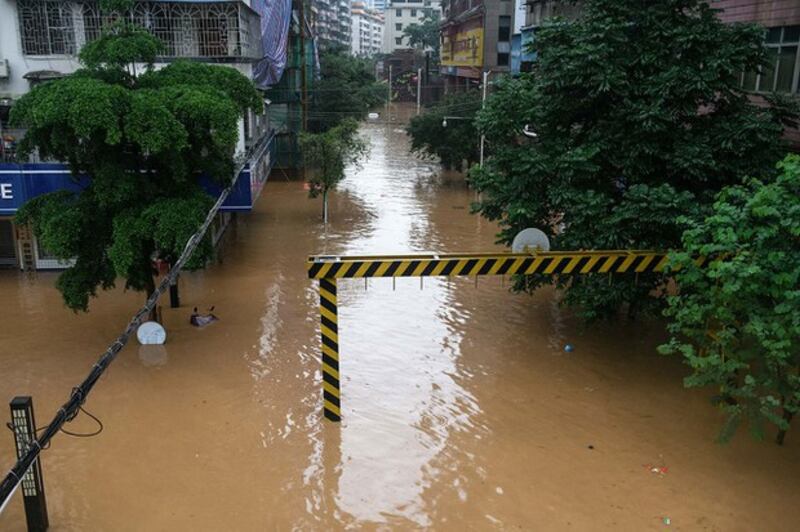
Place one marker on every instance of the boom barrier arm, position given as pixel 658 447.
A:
pixel 327 269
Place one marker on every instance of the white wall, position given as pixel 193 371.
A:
pixel 11 49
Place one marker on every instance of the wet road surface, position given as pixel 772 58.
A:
pixel 461 410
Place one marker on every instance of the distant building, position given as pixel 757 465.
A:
pixel 476 38
pixel 400 14
pixel 332 23
pixel 377 5
pixel 366 37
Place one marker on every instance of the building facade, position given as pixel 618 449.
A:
pixel 367 31
pixel 376 5
pixel 400 14
pixel 40 40
pixel 332 23
pixel 476 38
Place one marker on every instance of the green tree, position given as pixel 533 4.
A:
pixel 425 35
pixel 328 154
pixel 455 142
pixel 145 137
pixel 736 321
pixel 346 89
pixel 640 122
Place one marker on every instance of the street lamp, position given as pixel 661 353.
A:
pixel 446 118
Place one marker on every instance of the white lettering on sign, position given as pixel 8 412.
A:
pixel 5 191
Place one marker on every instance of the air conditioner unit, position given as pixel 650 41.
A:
pixel 4 69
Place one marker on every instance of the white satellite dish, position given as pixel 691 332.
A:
pixel 151 333
pixel 530 240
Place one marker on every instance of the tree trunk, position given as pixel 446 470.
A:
pixel 325 206
pixel 787 417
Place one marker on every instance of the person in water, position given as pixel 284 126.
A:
pixel 201 320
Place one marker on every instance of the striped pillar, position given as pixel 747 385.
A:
pixel 329 329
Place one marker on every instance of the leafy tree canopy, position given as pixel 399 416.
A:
pixel 640 121
pixel 328 154
pixel 455 143
pixel 425 34
pixel 144 136
pixel 736 322
pixel 346 89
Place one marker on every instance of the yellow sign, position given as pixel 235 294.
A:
pixel 465 48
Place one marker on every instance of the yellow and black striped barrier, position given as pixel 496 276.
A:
pixel 329 331
pixel 327 269
pixel 550 262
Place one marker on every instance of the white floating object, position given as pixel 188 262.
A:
pixel 530 240
pixel 151 333
pixel 373 116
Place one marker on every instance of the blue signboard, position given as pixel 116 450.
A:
pixel 21 182
pixel 11 192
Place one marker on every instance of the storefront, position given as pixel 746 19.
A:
pixel 22 182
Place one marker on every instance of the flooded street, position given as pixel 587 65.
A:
pixel 461 410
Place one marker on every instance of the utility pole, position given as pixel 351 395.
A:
pixel 483 104
pixel 389 96
pixel 303 80
pixel 419 88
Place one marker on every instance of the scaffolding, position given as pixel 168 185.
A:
pixel 210 30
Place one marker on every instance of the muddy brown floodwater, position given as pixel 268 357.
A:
pixel 461 410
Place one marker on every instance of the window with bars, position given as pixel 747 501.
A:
pixel 46 27
pixel 219 29
pixel 783 63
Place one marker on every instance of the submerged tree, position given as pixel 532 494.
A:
pixel 347 88
pixel 447 130
pixel 737 320
pixel 328 154
pixel 640 123
pixel 144 137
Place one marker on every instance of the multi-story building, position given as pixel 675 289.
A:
pixel 367 32
pixel 332 22
pixel 39 41
pixel 400 14
pixel 376 5
pixel 476 38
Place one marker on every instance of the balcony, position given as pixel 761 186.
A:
pixel 224 31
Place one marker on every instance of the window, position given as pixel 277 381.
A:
pixel 398 40
pixel 398 27
pixel 413 12
pixel 398 12
pixel 504 29
pixel 46 27
pixel 783 58
pixel 502 59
